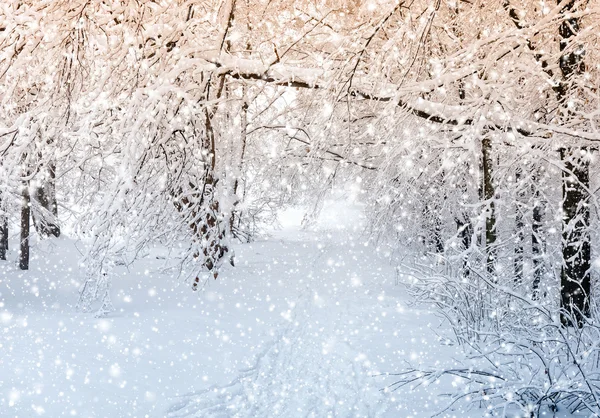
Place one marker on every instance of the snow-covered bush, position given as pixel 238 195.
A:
pixel 520 356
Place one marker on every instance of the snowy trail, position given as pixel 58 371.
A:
pixel 311 366
pixel 298 328
pixel 348 324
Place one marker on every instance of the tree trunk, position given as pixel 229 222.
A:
pixel 465 232
pixel 236 215
pixel 575 273
pixel 490 213
pixel 520 232
pixel 438 242
pixel 537 245
pixel 25 215
pixel 435 212
pixel 52 202
pixel 3 231
pixel 433 226
pixel 210 230
pixel 46 218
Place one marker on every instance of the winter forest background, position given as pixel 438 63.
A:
pixel 299 208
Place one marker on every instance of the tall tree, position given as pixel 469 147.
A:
pixel 3 230
pixel 537 243
pixel 25 222
pixel 518 262
pixel 489 195
pixel 575 271
pixel 45 213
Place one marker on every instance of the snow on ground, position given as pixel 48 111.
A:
pixel 302 326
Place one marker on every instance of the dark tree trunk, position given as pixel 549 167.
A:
pixel 436 213
pixel 52 203
pixel 209 229
pixel 520 230
pixel 432 225
pixel 438 242
pixel 3 232
pixel 575 273
pixel 490 212
pixel 465 232
pixel 235 219
pixel 25 215
pixel 46 218
pixel 537 245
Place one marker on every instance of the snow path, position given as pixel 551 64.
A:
pixel 312 366
pixel 346 323
pixel 298 328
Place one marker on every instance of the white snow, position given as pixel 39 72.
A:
pixel 304 325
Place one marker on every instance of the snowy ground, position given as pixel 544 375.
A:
pixel 300 327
